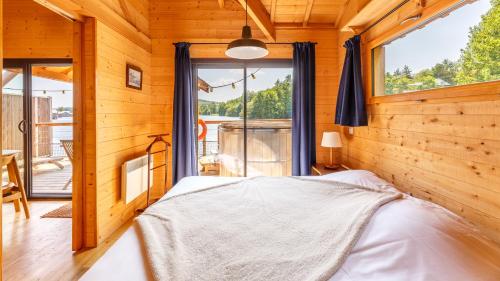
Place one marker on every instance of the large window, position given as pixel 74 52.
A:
pixel 244 117
pixel 460 46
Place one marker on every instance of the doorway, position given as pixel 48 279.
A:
pixel 244 112
pixel 38 123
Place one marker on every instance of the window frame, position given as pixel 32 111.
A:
pixel 396 30
pixel 207 63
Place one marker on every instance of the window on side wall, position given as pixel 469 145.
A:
pixel 461 46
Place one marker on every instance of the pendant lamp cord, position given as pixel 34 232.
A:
pixel 246 12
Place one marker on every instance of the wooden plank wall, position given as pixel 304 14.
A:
pixel 442 149
pixel 33 31
pixel 1 135
pixel 122 123
pixel 196 21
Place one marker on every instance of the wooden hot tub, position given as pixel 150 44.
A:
pixel 269 148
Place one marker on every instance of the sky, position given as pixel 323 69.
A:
pixel 264 79
pixel 441 39
pixel 58 99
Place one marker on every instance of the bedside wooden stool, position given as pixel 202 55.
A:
pixel 320 170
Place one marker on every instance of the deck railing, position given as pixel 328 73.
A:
pixel 46 142
pixel 209 147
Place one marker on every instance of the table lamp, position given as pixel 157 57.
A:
pixel 331 140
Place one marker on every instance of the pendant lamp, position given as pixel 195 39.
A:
pixel 246 48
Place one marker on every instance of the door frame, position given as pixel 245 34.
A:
pixel 26 65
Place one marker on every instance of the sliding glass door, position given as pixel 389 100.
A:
pixel 244 117
pixel 37 117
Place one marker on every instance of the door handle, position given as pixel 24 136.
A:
pixel 22 126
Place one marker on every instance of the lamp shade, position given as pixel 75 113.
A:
pixel 246 47
pixel 331 139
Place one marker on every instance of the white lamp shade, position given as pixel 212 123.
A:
pixel 247 52
pixel 331 139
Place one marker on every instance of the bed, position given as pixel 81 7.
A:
pixel 407 239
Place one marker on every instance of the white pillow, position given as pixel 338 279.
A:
pixel 360 177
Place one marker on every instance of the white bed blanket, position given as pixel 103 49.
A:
pixel 262 228
pixel 409 239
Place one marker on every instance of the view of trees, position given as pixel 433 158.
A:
pixel 478 62
pixel 272 103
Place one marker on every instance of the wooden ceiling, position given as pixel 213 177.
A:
pixel 131 17
pixel 269 15
pixel 57 73
pixel 304 12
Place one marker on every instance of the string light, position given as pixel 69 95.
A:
pixel 42 91
pixel 233 84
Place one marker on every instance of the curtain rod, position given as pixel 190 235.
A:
pixel 221 43
pixel 384 16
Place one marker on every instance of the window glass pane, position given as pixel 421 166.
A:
pixel 220 110
pixel 52 130
pixel 269 115
pixel 220 89
pixel 460 47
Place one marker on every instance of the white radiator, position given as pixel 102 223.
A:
pixel 135 178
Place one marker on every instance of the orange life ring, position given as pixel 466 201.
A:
pixel 204 130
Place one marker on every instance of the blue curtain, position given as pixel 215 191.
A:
pixel 351 108
pixel 183 135
pixel 303 108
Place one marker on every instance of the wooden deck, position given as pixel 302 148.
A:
pixel 48 178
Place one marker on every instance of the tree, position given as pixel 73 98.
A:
pixel 446 71
pixel 272 103
pixel 407 72
pixel 480 60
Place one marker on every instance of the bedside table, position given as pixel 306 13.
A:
pixel 320 170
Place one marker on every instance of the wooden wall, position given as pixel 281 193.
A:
pixel 442 146
pixel 1 135
pixel 122 123
pixel 32 31
pixel 197 21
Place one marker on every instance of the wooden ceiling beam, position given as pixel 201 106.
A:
pixel 359 13
pixel 126 13
pixel 52 75
pixel 307 13
pixel 281 26
pixel 102 12
pixel 67 10
pixel 341 13
pixel 259 15
pixel 273 10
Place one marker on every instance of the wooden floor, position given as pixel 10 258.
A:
pixel 40 249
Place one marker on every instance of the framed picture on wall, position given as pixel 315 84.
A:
pixel 134 77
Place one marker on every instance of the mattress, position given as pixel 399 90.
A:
pixel 408 239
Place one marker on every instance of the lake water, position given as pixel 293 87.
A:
pixel 62 132
pixel 212 128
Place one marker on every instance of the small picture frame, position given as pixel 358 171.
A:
pixel 134 77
